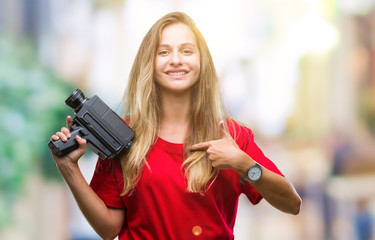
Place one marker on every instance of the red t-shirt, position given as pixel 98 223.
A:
pixel 161 208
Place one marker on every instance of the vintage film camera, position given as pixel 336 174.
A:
pixel 106 133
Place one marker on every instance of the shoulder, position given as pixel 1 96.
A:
pixel 238 131
pixel 107 167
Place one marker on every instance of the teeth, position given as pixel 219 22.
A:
pixel 176 73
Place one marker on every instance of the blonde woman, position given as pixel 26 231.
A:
pixel 189 161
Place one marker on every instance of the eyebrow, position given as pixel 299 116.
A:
pixel 182 45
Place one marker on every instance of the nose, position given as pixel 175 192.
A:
pixel 176 58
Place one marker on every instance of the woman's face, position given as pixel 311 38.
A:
pixel 177 63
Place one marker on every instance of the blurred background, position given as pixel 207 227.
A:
pixel 299 73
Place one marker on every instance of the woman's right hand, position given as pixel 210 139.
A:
pixel 72 157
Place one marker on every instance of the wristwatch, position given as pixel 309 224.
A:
pixel 254 173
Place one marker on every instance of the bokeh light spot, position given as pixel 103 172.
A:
pixel 197 230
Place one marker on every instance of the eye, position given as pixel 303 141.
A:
pixel 163 52
pixel 187 52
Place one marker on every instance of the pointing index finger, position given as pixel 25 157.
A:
pixel 200 146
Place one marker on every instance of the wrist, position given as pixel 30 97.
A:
pixel 68 169
pixel 244 164
pixel 254 173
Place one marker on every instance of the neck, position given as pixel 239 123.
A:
pixel 175 117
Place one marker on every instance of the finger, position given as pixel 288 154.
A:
pixel 76 154
pixel 82 144
pixel 66 132
pixel 55 138
pixel 81 141
pixel 200 146
pixel 69 121
pixel 222 129
pixel 223 132
pixel 61 136
pixel 225 135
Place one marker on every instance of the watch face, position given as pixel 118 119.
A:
pixel 254 173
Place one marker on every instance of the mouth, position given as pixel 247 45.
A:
pixel 177 74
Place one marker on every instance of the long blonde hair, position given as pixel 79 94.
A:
pixel 142 109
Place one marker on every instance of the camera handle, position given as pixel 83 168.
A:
pixel 61 148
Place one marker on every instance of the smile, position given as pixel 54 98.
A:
pixel 177 73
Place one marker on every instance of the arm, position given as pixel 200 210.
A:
pixel 107 222
pixel 276 189
pixel 224 153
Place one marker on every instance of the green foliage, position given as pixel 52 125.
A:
pixel 31 108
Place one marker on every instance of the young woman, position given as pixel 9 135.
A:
pixel 189 161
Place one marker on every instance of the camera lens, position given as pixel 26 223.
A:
pixel 75 100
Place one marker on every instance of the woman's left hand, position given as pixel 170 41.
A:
pixel 224 153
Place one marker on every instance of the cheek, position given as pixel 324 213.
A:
pixel 195 63
pixel 198 64
pixel 157 71
pixel 198 70
pixel 158 64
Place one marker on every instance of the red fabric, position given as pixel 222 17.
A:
pixel 160 207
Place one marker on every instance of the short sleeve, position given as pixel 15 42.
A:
pixel 245 139
pixel 105 183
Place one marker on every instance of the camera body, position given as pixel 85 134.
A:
pixel 105 132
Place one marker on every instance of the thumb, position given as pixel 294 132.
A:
pixel 81 141
pixel 82 145
pixel 223 132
